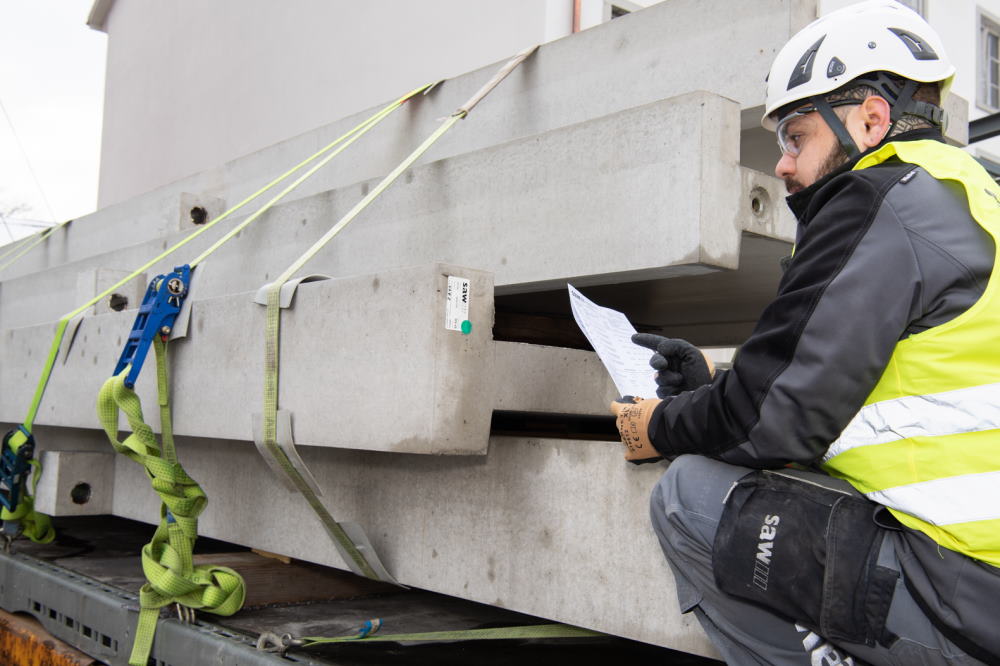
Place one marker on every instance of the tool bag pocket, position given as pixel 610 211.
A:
pixel 806 546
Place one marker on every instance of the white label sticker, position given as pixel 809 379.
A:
pixel 456 308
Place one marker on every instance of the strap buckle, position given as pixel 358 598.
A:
pixel 272 642
pixel 160 307
pixel 16 453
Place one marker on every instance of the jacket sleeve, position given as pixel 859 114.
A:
pixel 818 349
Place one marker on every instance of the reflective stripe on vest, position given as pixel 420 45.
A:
pixel 926 444
pixel 951 412
pixel 956 499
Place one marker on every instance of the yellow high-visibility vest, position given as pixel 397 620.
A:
pixel 926 444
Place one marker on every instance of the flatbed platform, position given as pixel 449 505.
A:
pixel 283 596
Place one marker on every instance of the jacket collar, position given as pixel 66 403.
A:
pixel 799 202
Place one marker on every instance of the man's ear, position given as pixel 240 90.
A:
pixel 873 122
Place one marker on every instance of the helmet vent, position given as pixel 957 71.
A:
pixel 835 68
pixel 804 67
pixel 917 46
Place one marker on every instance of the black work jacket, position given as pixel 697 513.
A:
pixel 881 253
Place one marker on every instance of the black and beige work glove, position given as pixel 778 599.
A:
pixel 679 365
pixel 633 416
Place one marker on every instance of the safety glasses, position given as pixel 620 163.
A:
pixel 789 140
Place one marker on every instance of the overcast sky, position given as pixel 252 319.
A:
pixel 52 86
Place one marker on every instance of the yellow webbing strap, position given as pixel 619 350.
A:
pixel 36 526
pixel 271 642
pixel 272 340
pixel 26 246
pixel 167 559
pixel 531 631
pixel 18 244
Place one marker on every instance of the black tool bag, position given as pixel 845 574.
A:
pixel 806 546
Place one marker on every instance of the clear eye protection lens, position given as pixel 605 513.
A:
pixel 788 144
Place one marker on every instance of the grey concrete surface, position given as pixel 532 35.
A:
pixel 763 209
pixel 629 62
pixel 554 528
pixel 508 209
pixel 344 342
pixel 536 378
pixel 94 281
pixel 76 483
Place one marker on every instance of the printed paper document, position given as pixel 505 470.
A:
pixel 610 334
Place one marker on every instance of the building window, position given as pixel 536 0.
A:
pixel 915 5
pixel 989 75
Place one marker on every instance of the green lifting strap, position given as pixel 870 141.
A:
pixel 532 631
pixel 25 247
pixel 19 244
pixel 36 526
pixel 367 634
pixel 167 559
pixel 348 549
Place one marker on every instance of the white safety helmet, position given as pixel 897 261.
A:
pixel 867 37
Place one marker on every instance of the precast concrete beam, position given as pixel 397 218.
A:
pixel 554 528
pixel 669 49
pixel 537 378
pixel 763 211
pixel 646 193
pixel 366 362
pixel 76 483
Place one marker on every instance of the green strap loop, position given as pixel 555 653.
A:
pixel 167 559
pixel 533 631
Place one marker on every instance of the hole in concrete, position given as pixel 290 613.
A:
pixel 759 201
pixel 118 302
pixel 199 215
pixel 80 494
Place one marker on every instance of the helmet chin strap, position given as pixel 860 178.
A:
pixel 834 122
pixel 900 100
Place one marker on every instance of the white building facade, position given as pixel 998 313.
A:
pixel 191 85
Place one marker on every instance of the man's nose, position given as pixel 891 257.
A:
pixel 785 168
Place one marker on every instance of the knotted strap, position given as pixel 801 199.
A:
pixel 36 526
pixel 167 559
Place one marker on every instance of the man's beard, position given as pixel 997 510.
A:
pixel 836 158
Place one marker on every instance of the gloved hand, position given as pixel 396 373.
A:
pixel 633 417
pixel 679 365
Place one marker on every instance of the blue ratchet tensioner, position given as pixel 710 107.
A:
pixel 14 467
pixel 160 307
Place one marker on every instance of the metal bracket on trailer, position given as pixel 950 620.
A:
pixel 99 620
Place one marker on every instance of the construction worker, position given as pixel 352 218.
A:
pixel 842 503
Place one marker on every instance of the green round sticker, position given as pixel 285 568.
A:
pixel 466 327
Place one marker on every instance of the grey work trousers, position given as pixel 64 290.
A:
pixel 686 506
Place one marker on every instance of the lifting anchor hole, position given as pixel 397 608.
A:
pixel 118 302
pixel 759 201
pixel 199 215
pixel 80 494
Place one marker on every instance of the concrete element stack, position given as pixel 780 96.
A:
pixel 614 159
